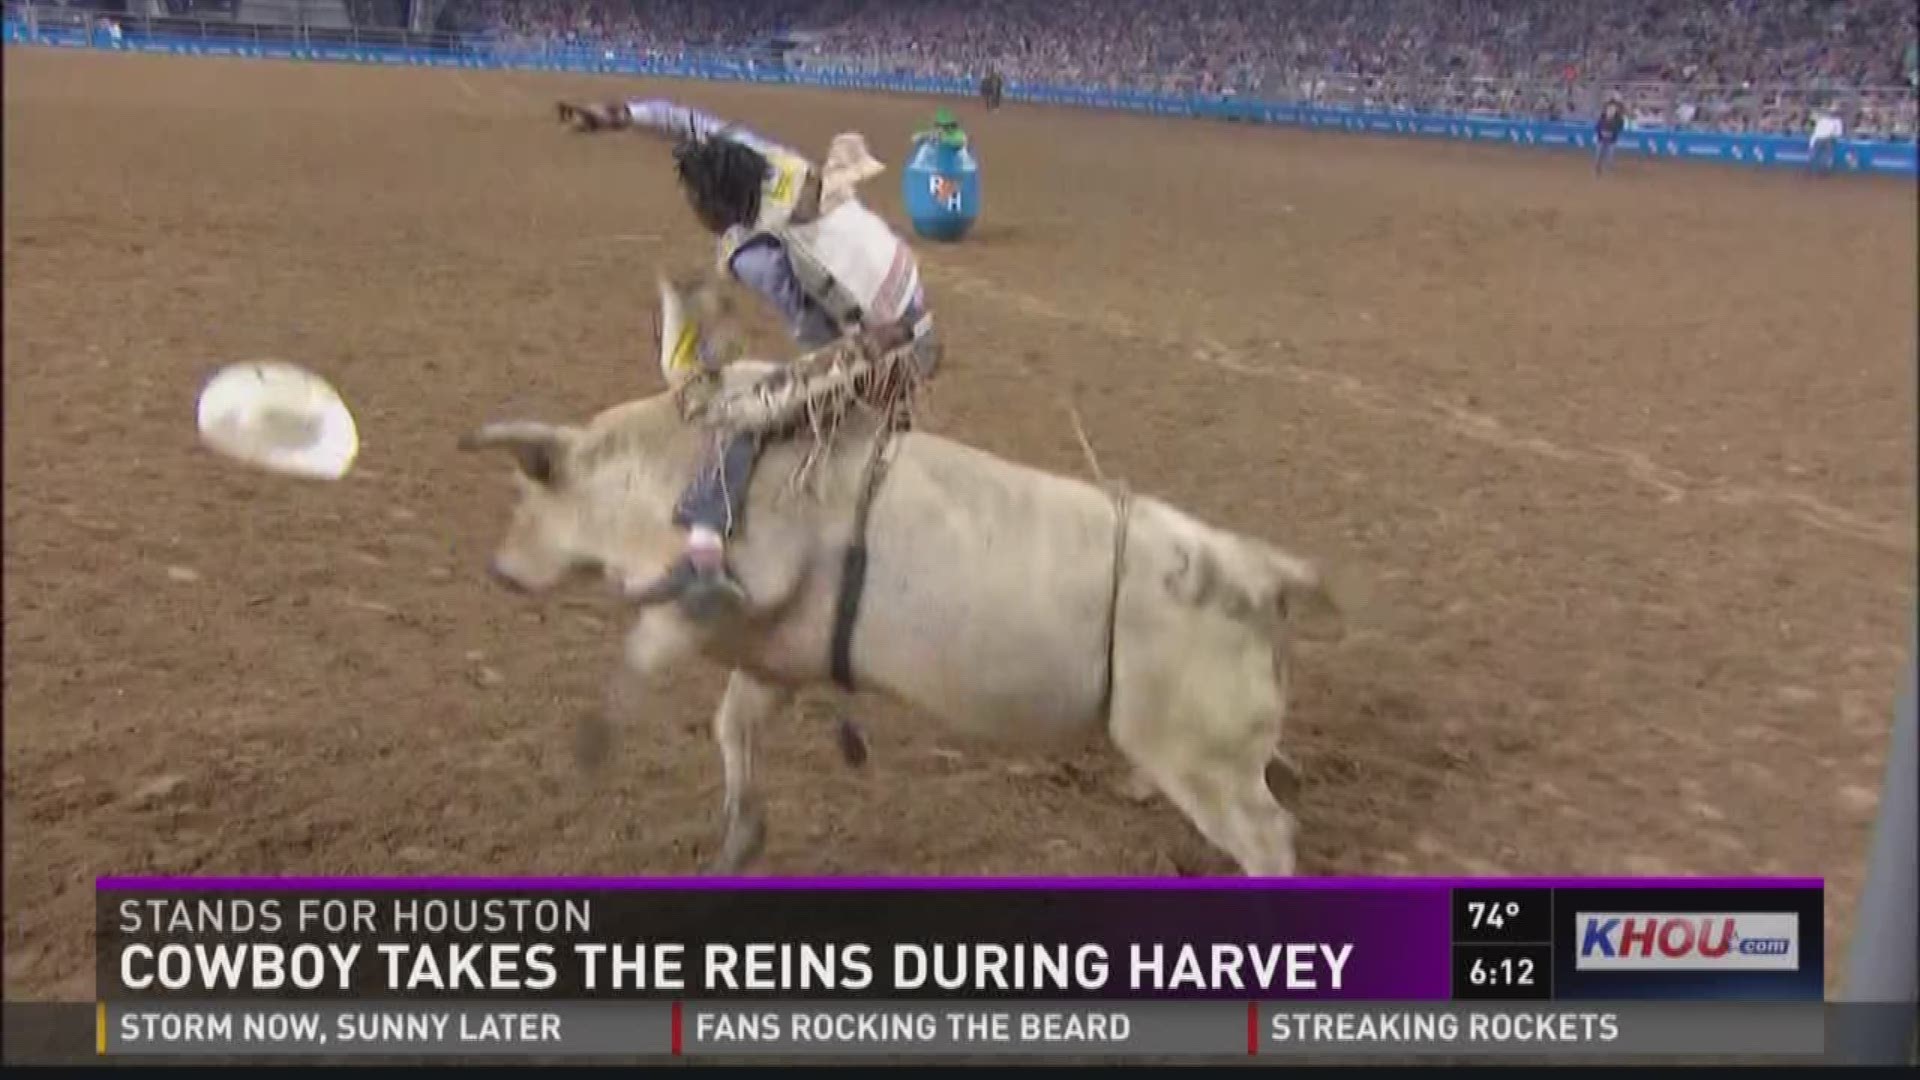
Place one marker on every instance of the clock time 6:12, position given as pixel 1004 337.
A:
pixel 1505 971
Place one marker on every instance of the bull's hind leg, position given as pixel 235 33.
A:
pixel 748 702
pixel 1202 720
pixel 1231 806
pixel 1226 797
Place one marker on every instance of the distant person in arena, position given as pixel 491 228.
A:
pixel 1606 134
pixel 1823 149
pixel 991 89
pixel 793 233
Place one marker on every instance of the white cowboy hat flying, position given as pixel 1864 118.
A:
pixel 279 417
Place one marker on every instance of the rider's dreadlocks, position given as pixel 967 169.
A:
pixel 722 179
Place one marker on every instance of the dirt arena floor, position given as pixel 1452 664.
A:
pixel 1630 465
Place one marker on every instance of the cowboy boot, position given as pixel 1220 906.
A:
pixel 712 590
pixel 704 590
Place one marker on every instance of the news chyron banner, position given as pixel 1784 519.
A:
pixel 656 969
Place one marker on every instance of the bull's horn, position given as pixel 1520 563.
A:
pixel 536 446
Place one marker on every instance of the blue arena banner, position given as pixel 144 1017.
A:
pixel 1778 151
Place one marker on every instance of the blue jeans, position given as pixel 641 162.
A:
pixel 1602 155
pixel 1821 160
pixel 717 497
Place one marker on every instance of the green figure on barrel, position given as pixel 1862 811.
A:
pixel 945 130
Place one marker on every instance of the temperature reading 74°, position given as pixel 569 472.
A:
pixel 1502 915
pixel 1485 915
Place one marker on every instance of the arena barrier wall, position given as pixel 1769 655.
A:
pixel 1857 156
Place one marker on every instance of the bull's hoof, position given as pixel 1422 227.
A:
pixel 1185 865
pixel 745 838
pixel 711 601
pixel 853 743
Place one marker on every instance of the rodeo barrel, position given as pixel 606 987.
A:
pixel 942 190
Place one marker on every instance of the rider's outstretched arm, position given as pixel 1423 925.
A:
pixel 661 117
pixel 677 121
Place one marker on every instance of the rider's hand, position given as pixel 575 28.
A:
pixel 586 117
pixel 879 341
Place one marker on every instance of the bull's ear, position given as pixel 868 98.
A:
pixel 538 448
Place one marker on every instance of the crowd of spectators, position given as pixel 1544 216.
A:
pixel 647 27
pixel 1751 65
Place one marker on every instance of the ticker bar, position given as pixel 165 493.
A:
pixel 842 1029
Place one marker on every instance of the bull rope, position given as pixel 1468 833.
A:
pixel 853 567
pixel 853 572
pixel 1086 446
pixel 1122 497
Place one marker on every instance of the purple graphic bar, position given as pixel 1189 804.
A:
pixel 1366 939
pixel 123 883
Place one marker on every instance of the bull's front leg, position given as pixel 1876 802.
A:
pixel 747 703
pixel 658 641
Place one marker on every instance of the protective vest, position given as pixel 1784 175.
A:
pixel 847 260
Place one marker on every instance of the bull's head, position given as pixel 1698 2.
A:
pixel 545 543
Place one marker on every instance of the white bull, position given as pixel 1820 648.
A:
pixel 1008 602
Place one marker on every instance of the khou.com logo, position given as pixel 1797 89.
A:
pixel 1740 941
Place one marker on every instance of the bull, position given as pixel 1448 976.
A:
pixel 1009 603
